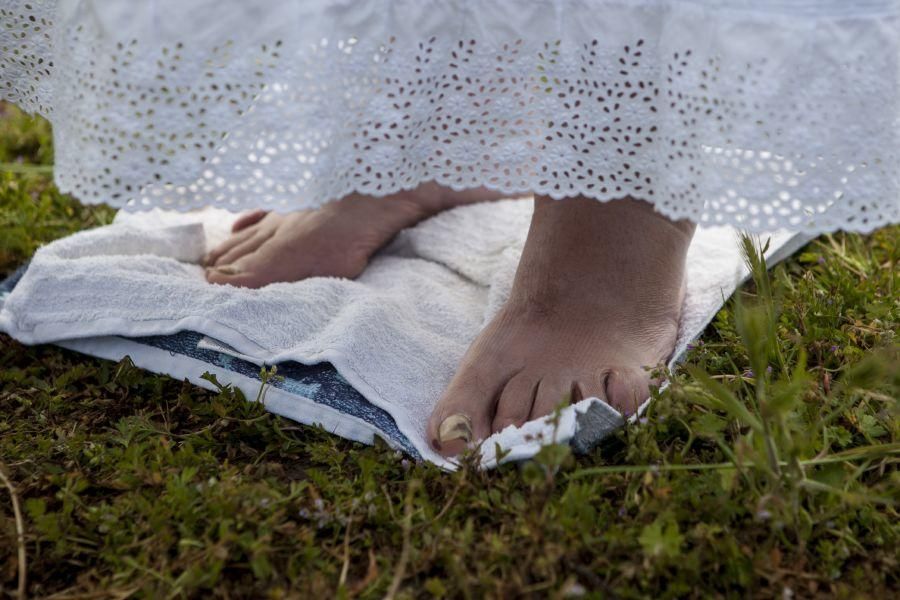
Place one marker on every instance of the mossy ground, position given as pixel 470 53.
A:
pixel 137 485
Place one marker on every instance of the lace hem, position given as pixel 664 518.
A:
pixel 760 115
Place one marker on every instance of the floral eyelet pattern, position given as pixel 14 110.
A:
pixel 760 119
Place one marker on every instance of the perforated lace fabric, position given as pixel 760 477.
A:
pixel 760 114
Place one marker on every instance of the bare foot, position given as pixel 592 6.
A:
pixel 595 304
pixel 336 240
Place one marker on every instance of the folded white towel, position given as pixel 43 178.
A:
pixel 396 333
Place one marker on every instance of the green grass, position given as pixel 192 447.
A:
pixel 768 468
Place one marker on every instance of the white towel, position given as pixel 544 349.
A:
pixel 396 333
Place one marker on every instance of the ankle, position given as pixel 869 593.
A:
pixel 593 254
pixel 683 227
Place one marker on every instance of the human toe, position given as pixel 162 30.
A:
pixel 516 401
pixel 627 388
pixel 554 391
pixel 247 219
pixel 216 253
pixel 246 247
pixel 463 414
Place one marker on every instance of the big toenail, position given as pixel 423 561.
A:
pixel 455 427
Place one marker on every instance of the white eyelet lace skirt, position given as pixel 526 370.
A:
pixel 755 113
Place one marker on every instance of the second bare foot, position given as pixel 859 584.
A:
pixel 336 240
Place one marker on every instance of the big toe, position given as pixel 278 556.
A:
pixel 627 388
pixel 463 414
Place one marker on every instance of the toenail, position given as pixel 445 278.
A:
pixel 227 270
pixel 455 427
